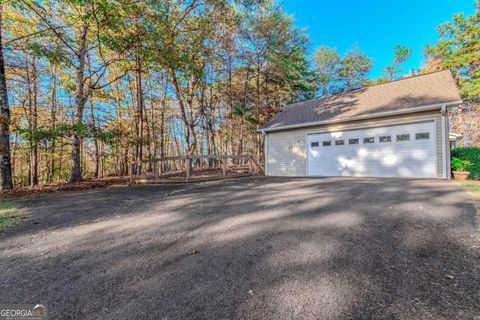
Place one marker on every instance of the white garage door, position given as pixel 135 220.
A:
pixel 394 151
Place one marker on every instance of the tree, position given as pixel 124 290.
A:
pixel 81 33
pixel 160 78
pixel 458 49
pixel 431 65
pixel 400 55
pixel 336 74
pixel 6 181
pixel 275 49
pixel 327 63
pixel 354 69
pixel 274 69
pixel 465 120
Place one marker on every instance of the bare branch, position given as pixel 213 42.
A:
pixel 36 33
pixel 108 83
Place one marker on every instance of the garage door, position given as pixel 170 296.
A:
pixel 395 151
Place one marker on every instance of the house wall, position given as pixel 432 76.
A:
pixel 286 152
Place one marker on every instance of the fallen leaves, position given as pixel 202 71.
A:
pixel 82 185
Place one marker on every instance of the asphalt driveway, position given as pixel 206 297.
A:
pixel 251 248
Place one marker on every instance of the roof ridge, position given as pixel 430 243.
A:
pixel 407 78
pixel 363 87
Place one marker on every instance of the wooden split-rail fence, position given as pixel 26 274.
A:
pixel 186 164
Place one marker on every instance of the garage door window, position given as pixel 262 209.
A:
pixel 369 140
pixel 339 142
pixel 403 137
pixel 385 139
pixel 422 136
pixel 327 143
pixel 353 141
pixel 314 144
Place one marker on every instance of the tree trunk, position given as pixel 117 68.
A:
pixel 150 134
pixel 60 163
pixel 139 113
pixel 6 181
pixel 212 145
pixel 51 165
pixel 162 122
pixel 33 121
pixel 125 166
pixel 95 142
pixel 60 149
pixel 80 99
pixel 162 137
pixel 188 124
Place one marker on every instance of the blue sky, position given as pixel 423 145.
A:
pixel 375 26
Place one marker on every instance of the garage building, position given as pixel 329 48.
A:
pixel 395 129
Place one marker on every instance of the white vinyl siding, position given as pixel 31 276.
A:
pixel 286 151
pixel 286 154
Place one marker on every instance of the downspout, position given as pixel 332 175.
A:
pixel 445 142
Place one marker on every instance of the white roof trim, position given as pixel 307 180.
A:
pixel 362 117
pixel 454 136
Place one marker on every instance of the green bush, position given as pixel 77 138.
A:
pixel 471 154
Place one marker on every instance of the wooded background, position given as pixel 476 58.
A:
pixel 87 87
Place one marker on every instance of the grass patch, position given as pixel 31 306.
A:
pixel 472 187
pixel 473 190
pixel 8 214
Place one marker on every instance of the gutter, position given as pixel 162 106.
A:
pixel 438 106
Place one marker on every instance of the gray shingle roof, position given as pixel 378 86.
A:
pixel 404 94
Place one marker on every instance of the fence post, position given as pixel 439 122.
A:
pixel 187 169
pixel 155 170
pixel 131 173
pixel 224 165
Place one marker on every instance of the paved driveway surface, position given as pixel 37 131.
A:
pixel 251 248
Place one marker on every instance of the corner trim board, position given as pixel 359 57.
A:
pixel 265 153
pixel 444 142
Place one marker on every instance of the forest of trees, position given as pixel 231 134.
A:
pixel 87 87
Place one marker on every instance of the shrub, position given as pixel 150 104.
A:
pixel 471 154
